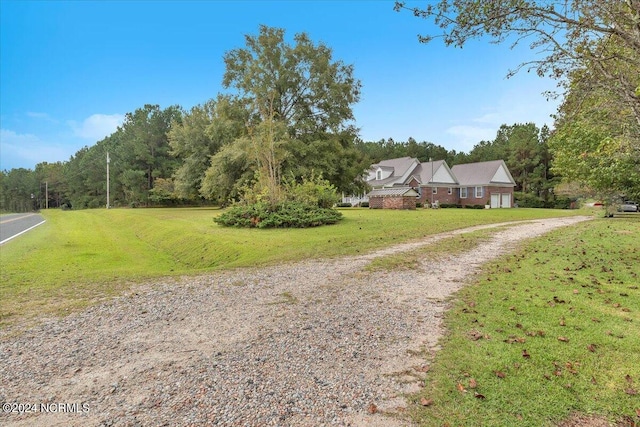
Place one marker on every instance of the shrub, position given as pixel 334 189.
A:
pixel 364 204
pixel 562 203
pixel 449 205
pixel 284 215
pixel 474 206
pixel 344 205
pixel 418 204
pixel 314 191
pixel 526 200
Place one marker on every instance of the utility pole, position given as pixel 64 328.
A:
pixel 108 160
pixel 46 194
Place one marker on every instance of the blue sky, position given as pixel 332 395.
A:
pixel 69 71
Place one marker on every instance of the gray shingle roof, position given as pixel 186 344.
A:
pixel 481 173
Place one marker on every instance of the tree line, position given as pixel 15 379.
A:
pixel 288 117
pixel 175 157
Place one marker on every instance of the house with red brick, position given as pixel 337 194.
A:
pixel 482 183
pixel 485 183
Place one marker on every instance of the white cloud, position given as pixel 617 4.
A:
pixel 97 126
pixel 26 150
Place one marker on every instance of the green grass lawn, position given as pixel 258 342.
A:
pixel 77 257
pixel 548 331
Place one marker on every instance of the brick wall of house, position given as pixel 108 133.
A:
pixel 442 195
pixel 500 190
pixel 409 203
pixel 398 203
pixel 375 202
pixel 471 198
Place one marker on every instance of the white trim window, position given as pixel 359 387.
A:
pixel 434 190
pixel 450 190
pixel 378 175
pixel 463 192
pixel 479 192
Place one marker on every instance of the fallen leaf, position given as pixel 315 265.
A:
pixel 562 323
pixel 631 391
pixel 593 380
pixel 638 412
pixel 563 339
pixel 461 388
pixel 473 383
pixel 372 409
pixel 426 402
pixel 525 354
pixel 500 374
pixel 628 378
pixel 475 335
pixel 478 395
pixel 424 368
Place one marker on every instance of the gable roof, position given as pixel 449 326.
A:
pixel 400 169
pixel 494 172
pixel 440 170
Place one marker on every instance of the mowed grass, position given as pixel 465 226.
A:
pixel 78 257
pixel 547 332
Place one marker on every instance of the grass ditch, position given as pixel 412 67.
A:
pixel 546 332
pixel 79 257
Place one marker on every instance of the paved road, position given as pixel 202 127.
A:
pixel 14 225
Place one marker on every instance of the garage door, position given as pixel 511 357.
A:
pixel 495 201
pixel 506 200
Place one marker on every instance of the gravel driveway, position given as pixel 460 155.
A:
pixel 315 343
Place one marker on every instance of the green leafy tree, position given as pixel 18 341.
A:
pixel 144 150
pixel 300 85
pixel 300 101
pixel 230 171
pixel 19 190
pixel 200 134
pixel 596 143
pixel 52 184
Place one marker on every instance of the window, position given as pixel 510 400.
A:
pixel 450 190
pixel 378 174
pixel 478 192
pixel 463 192
pixel 434 190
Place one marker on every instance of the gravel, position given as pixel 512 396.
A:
pixel 315 343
